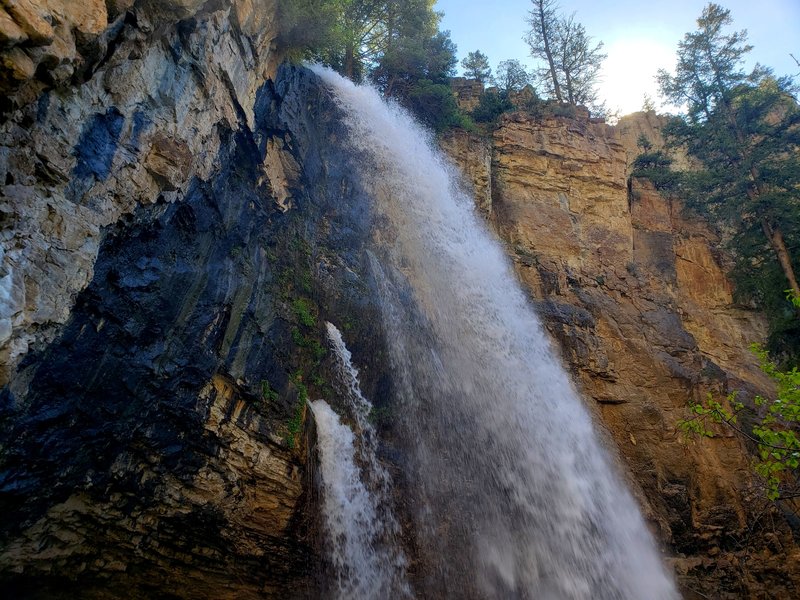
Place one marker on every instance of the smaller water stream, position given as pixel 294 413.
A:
pixel 360 527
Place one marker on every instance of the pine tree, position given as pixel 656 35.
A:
pixel 476 66
pixel 745 130
pixel 573 59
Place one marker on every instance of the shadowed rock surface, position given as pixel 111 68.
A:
pixel 178 221
pixel 152 439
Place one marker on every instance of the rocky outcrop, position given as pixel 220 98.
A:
pixel 473 155
pixel 166 223
pixel 634 290
pixel 467 92
pixel 647 124
pixel 150 117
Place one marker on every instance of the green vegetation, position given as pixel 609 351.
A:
pixel 774 430
pixel 492 104
pixel 476 66
pixel 511 76
pixel 267 393
pixel 295 425
pixel 394 43
pixel 572 58
pixel 743 129
pixel 434 105
pixel 303 312
pixel 655 165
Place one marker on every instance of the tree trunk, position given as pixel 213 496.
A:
pixel 390 87
pixel 568 83
pixel 548 52
pixel 775 237
pixel 349 62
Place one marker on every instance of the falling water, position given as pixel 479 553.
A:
pixel 360 525
pixel 514 495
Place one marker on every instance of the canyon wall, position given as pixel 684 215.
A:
pixel 165 262
pixel 633 289
pixel 177 224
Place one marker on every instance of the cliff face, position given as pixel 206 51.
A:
pixel 166 219
pixel 145 112
pixel 177 223
pixel 634 290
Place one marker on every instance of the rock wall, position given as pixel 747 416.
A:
pixel 173 237
pixel 170 79
pixel 177 225
pixel 467 92
pixel 472 153
pixel 633 289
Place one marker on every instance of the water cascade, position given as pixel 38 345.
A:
pixel 360 527
pixel 513 495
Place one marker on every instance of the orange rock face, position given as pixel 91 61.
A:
pixel 633 289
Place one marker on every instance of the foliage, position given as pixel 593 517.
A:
pixel 744 130
pixel 306 24
pixel 434 105
pixel 573 60
pixel 775 431
pixel 490 106
pixel 655 165
pixel 579 61
pixel 295 425
pixel 303 312
pixel 267 393
pixel 793 297
pixel 511 76
pixel 544 20
pixel 394 43
pixel 476 66
pixel 413 59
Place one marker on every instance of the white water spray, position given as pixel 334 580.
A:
pixel 515 496
pixel 367 560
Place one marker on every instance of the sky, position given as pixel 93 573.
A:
pixel 639 36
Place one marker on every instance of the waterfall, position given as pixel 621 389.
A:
pixel 360 526
pixel 513 495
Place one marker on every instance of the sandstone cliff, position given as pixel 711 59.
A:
pixel 633 288
pixel 172 206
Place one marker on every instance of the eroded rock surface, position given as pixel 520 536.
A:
pixel 160 221
pixel 633 289
pixel 150 117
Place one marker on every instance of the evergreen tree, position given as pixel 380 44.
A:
pixel 573 59
pixel 511 76
pixel 745 130
pixel 476 66
pixel 544 19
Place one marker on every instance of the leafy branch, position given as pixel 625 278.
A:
pixel 775 432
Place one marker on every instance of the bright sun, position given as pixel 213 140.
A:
pixel 629 73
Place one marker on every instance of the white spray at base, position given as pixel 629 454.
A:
pixel 360 527
pixel 514 495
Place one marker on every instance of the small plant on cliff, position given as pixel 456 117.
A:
pixel 295 424
pixel 303 312
pixel 655 165
pixel 491 105
pixel 775 428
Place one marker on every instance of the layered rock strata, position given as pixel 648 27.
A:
pixel 169 228
pixel 633 289
pixel 149 118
